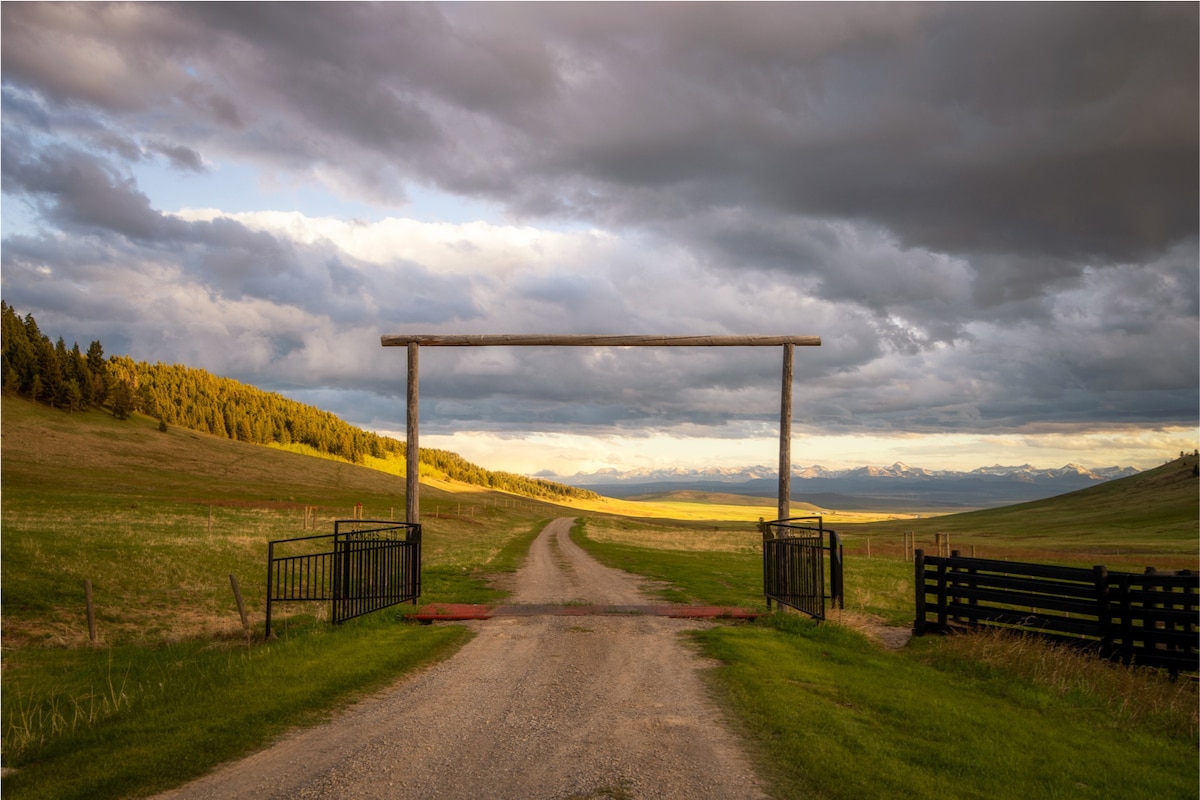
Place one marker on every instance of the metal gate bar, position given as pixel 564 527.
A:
pixel 372 565
pixel 794 565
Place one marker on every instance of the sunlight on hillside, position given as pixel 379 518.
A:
pixel 691 511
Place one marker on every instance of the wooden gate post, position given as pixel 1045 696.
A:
pixel 785 434
pixel 412 492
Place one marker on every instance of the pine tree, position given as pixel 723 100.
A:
pixel 97 372
pixel 120 396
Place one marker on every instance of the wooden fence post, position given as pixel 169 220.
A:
pixel 237 595
pixel 1126 620
pixel 91 610
pixel 952 583
pixel 1103 609
pixel 973 583
pixel 942 621
pixel 919 583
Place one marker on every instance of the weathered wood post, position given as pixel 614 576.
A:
pixel 785 434
pixel 767 535
pixel 919 583
pixel 237 595
pixel 91 610
pixel 1103 609
pixel 942 622
pixel 412 492
pixel 954 598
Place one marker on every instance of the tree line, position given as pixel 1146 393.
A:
pixel 69 379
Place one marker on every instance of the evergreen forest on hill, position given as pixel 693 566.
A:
pixel 69 379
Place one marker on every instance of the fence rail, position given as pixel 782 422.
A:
pixel 1148 619
pixel 794 569
pixel 372 565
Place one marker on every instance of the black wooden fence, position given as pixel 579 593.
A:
pixel 371 565
pixel 1147 619
pixel 794 564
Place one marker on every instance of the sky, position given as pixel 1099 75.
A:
pixel 987 212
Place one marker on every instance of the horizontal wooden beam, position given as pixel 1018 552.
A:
pixel 587 340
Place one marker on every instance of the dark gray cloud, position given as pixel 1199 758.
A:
pixel 1042 131
pixel 184 158
pixel 962 199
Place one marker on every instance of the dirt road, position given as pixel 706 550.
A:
pixel 531 708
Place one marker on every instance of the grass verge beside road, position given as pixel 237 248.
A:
pixel 830 714
pixel 129 721
pixel 833 716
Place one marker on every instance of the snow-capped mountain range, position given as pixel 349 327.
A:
pixel 897 470
pixel 860 487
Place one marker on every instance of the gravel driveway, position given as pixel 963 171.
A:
pixel 532 707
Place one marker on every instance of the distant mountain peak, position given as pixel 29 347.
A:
pixel 980 487
pixel 898 470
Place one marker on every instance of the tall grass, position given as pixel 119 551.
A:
pixel 1132 698
pixel 130 720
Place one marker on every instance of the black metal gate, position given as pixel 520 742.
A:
pixel 794 564
pixel 372 565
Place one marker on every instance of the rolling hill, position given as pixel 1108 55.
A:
pixel 1154 513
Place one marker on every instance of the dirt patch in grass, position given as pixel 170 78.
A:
pixel 891 637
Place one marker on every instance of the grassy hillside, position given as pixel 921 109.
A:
pixel 1148 519
pixel 158 521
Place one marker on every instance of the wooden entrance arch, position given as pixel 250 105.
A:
pixel 414 342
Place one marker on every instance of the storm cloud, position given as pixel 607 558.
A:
pixel 988 212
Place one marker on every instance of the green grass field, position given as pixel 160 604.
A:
pixel 830 713
pixel 159 521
